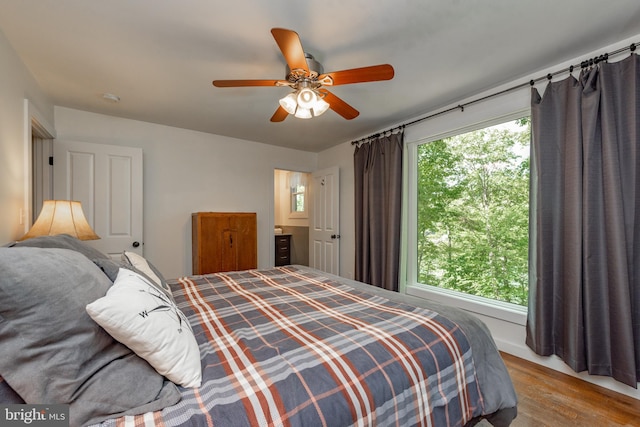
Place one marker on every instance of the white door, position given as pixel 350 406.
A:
pixel 324 235
pixel 107 180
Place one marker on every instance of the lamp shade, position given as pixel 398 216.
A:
pixel 306 98
pixel 61 217
pixel 289 103
pixel 320 107
pixel 303 113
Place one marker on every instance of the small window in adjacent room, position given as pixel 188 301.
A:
pixel 298 188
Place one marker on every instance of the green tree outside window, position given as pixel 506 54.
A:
pixel 473 212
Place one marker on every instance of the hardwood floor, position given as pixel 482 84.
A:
pixel 550 398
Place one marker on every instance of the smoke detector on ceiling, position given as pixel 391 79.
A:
pixel 111 97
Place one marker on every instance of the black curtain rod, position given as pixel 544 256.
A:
pixel 377 135
pixel 584 64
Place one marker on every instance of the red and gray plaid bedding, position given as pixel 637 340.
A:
pixel 291 347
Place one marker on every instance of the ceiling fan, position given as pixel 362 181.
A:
pixel 306 76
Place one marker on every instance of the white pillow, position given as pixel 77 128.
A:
pixel 140 316
pixel 141 263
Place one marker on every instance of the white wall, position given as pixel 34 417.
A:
pixel 16 85
pixel 187 171
pixel 279 183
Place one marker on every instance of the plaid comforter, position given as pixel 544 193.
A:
pixel 289 347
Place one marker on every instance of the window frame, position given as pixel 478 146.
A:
pixel 298 214
pixel 480 305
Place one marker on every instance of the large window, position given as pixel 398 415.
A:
pixel 472 212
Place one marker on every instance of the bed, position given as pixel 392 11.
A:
pixel 288 346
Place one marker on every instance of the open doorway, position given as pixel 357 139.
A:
pixel 42 169
pixel 291 217
pixel 38 144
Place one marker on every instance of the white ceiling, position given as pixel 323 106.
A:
pixel 160 56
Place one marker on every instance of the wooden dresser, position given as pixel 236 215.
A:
pixel 223 241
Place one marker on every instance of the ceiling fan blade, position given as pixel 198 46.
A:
pixel 291 47
pixel 358 75
pixel 243 83
pixel 339 106
pixel 279 115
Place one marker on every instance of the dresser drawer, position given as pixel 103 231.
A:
pixel 282 240
pixel 282 250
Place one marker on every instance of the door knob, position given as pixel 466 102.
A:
pixel 135 244
pixel 335 236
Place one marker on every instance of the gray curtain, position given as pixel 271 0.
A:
pixel 378 199
pixel 584 301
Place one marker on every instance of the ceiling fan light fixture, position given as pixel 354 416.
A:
pixel 320 107
pixel 306 77
pixel 289 103
pixel 307 98
pixel 303 113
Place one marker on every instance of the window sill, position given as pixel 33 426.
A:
pixel 507 312
pixel 298 215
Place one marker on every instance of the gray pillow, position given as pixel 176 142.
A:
pixel 65 241
pixel 7 394
pixel 61 241
pixel 109 267
pixel 53 352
